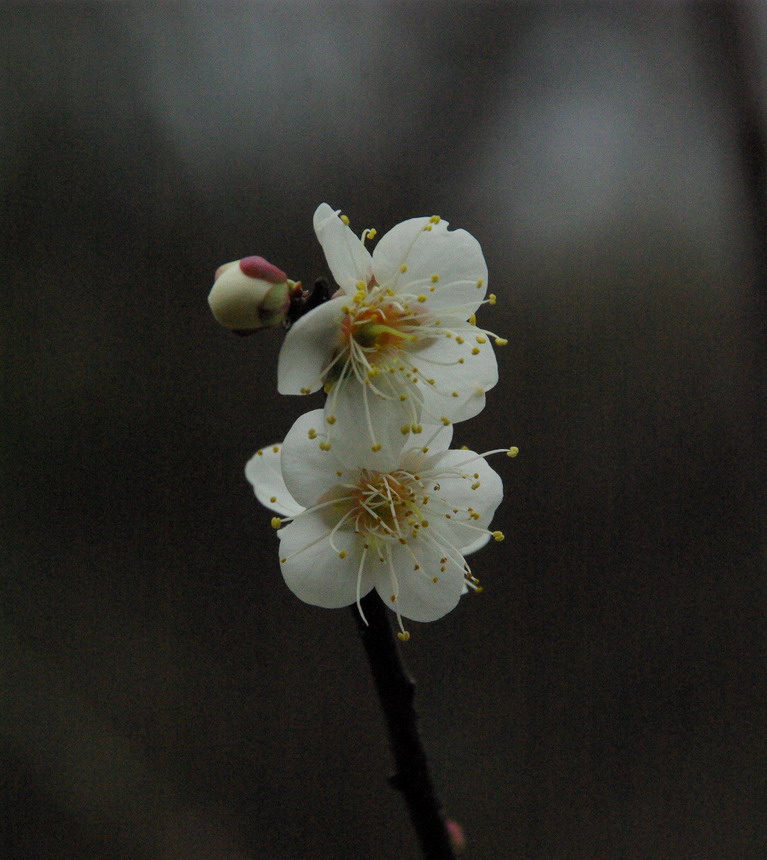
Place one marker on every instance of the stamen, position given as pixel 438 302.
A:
pixel 359 583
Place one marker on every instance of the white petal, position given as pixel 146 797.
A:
pixel 459 387
pixel 433 438
pixel 312 567
pixel 308 470
pixel 348 259
pixel 466 480
pixel 364 420
pixel 264 473
pixel 426 250
pixel 308 348
pixel 481 541
pixel 418 596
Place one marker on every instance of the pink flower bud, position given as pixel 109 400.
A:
pixel 250 294
pixel 258 267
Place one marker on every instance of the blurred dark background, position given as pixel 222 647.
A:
pixel 163 694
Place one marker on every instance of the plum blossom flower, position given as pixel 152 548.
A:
pixel 398 343
pixel 401 523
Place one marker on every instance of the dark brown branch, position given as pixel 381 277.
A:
pixel 396 691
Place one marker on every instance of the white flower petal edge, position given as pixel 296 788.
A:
pixel 264 472
pixel 309 344
pixel 404 530
pixel 422 257
pixel 348 259
pixel 402 339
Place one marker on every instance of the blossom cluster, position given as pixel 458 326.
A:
pixel 367 491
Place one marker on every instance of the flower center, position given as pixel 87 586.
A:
pixel 385 505
pixel 379 330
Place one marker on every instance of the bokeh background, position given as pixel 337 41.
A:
pixel 163 694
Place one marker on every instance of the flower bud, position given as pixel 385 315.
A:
pixel 250 294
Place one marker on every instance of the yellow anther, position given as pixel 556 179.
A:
pixel 373 372
pixel 272 499
pixel 434 278
pixel 475 351
pixel 481 338
pixel 403 268
pixel 345 219
pixel 312 434
pixel 425 451
pixel 480 283
pixel 454 394
pixel 276 522
pixel 375 448
pixel 276 449
pixel 393 598
pixel 513 451
pixel 461 360
pixel 459 339
pixel 478 589
pixel 473 319
pixel 417 428
pixel 403 636
pixel 403 397
pixel 476 485
pixel 422 299
pixel 324 446
pixel 331 419
pixel 427 228
pixel 404 429
pixel 491 299
pixel 342 554
pixel 260 453
pixel 435 219
pixel 372 233
pixel 327 387
pixel 435 579
pixel 499 536
pixel 501 341
pixel 361 286
pixel 445 421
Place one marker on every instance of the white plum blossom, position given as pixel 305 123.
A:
pixel 400 523
pixel 398 344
